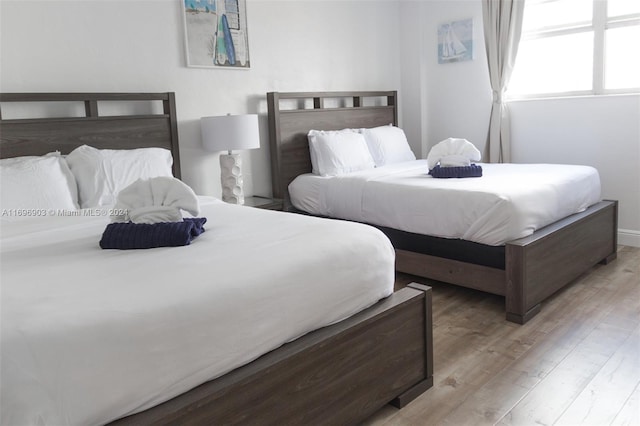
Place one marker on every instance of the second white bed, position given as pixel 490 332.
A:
pixel 509 201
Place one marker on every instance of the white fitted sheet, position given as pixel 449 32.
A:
pixel 91 335
pixel 509 201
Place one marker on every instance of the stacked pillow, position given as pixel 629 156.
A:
pixel 44 182
pixel 86 178
pixel 338 152
pixel 102 173
pixel 388 145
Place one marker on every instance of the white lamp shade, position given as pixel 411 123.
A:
pixel 229 132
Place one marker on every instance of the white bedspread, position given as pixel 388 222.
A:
pixel 509 201
pixel 90 335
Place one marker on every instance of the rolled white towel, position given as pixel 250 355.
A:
pixel 455 160
pixel 155 214
pixel 155 200
pixel 453 152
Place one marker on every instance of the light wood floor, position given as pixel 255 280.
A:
pixel 576 363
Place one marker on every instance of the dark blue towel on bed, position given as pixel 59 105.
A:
pixel 456 172
pixel 125 236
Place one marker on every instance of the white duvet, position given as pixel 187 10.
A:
pixel 509 201
pixel 91 335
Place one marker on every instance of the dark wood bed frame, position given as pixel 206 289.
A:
pixel 339 374
pixel 529 270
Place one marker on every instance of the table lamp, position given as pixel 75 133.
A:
pixel 226 133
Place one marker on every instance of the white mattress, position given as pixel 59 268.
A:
pixel 90 335
pixel 509 201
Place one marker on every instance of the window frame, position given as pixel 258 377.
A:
pixel 599 24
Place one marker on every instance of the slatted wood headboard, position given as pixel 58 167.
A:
pixel 38 136
pixel 288 126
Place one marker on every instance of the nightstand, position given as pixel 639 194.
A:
pixel 263 203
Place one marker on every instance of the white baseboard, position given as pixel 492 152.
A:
pixel 629 237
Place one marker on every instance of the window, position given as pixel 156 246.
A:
pixel 578 47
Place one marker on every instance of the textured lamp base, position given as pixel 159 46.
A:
pixel 231 178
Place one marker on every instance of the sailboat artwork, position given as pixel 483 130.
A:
pixel 216 33
pixel 455 41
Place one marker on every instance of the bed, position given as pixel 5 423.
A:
pixel 525 270
pixel 128 346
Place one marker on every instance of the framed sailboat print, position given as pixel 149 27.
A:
pixel 455 41
pixel 216 33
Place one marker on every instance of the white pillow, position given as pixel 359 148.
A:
pixel 388 145
pixel 102 173
pixel 37 183
pixel 335 153
pixel 312 135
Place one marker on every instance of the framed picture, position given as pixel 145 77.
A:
pixel 216 33
pixel 455 41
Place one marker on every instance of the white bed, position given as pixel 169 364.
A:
pixel 258 318
pixel 491 247
pixel 508 202
pixel 91 335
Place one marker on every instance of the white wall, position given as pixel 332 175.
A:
pixel 129 46
pixel 413 91
pixel 603 132
pixel 458 96
pixel 600 131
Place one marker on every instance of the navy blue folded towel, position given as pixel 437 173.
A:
pixel 125 236
pixel 456 172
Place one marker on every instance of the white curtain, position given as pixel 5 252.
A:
pixel 502 28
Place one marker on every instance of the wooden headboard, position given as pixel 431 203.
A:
pixel 292 115
pixel 38 136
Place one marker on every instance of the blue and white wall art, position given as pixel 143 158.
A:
pixel 216 33
pixel 455 41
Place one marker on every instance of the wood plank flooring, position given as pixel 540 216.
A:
pixel 576 363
